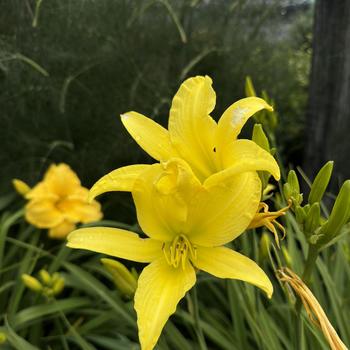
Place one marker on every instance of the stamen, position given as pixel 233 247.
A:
pixel 179 251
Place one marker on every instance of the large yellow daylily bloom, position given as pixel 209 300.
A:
pixel 59 201
pixel 187 224
pixel 211 149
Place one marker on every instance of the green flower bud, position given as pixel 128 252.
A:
pixel 124 280
pixel 287 191
pixel 260 138
pixel 312 221
pixel 320 183
pixel 293 181
pixel 32 283
pixel 45 277
pixel 249 87
pixel 300 214
pixel 340 214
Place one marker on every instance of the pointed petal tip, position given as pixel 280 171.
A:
pixel 269 291
pixel 277 174
pixel 124 116
pixel 207 77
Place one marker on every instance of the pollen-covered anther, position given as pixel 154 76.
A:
pixel 179 251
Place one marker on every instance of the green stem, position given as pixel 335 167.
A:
pixel 306 276
pixel 310 264
pixel 198 328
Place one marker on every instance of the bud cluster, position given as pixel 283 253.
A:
pixel 319 230
pixel 47 285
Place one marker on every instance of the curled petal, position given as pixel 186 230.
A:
pixel 234 118
pixel 159 290
pixel 243 156
pixel 121 179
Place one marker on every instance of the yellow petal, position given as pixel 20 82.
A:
pixel 160 288
pixel 79 211
pixel 43 214
pixel 191 128
pixel 61 179
pixel 242 156
pixel 220 213
pixel 62 230
pixel 161 198
pixel 234 118
pixel 121 179
pixel 41 191
pixel 151 136
pixel 223 262
pixel 116 242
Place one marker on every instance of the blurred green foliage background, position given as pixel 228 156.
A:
pixel 69 68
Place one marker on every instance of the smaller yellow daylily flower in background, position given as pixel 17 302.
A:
pixel 267 218
pixel 188 225
pixel 59 202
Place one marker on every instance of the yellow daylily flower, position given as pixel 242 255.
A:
pixel 59 202
pixel 211 149
pixel 187 225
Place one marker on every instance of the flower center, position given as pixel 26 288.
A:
pixel 178 251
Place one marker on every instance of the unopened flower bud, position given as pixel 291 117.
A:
pixel 293 181
pixel 300 214
pixel 124 280
pixel 45 277
pixel 287 191
pixel 249 87
pixel 260 138
pixel 32 283
pixel 312 221
pixel 20 186
pixel 339 215
pixel 320 183
pixel 58 286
